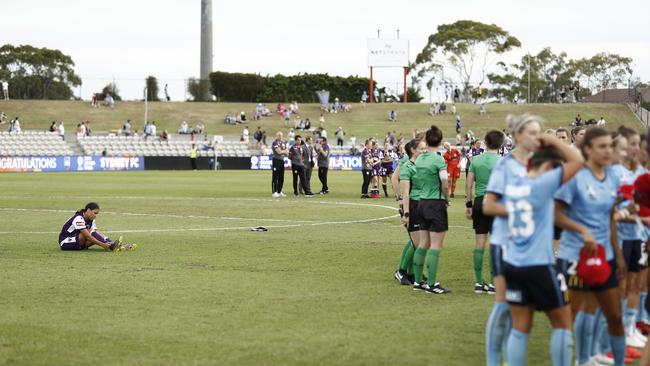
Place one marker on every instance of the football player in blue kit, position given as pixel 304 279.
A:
pixel 532 282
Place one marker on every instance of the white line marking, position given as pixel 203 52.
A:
pixel 11 209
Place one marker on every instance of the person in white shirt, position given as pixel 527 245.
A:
pixel 601 122
pixel 245 135
pixel 61 130
pixel 14 126
pixel 5 89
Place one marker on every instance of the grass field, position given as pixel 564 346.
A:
pixel 363 123
pixel 316 289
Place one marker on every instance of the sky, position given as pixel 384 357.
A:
pixel 126 41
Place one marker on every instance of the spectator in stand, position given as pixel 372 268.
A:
pixel 93 101
pixel 52 127
pixel 61 130
pixel 375 93
pixel 110 102
pixel 14 126
pixel 453 108
pixel 601 122
pixel 153 129
pixel 322 132
pixel 459 124
pixel 3 118
pixel 364 99
pixel 307 126
pixel 392 116
pixel 245 135
pixel 578 120
pixel 200 128
pixel 81 130
pixel 167 93
pixel 264 138
pixel 5 89
pixel 321 120
pixel 340 134
pixel 291 137
pixel 257 135
pixel 287 117
pixel 242 117
pixel 184 129
pixel 126 128
pixel 88 130
pixel 147 129
pixel 298 124
pixel 164 136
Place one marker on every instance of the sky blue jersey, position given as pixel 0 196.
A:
pixel 589 202
pixel 628 231
pixel 530 218
pixel 507 167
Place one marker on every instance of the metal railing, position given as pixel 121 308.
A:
pixel 641 113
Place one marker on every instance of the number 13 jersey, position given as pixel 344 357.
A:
pixel 530 206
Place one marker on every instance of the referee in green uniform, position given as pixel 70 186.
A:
pixel 477 178
pixel 431 181
pixel 409 196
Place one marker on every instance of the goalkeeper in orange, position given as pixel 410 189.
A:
pixel 452 158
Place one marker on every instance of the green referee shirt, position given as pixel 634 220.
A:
pixel 407 172
pixel 427 179
pixel 482 166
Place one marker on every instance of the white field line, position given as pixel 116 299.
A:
pixel 297 223
pixel 11 209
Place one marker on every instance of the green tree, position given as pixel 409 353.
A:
pixel 603 71
pixel 110 88
pixel 152 89
pixel 549 73
pixel 37 73
pixel 464 46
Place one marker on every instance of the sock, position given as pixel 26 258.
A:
pixel 642 314
pixel 561 347
pixel 383 185
pixel 406 260
pixel 598 328
pixel 578 330
pixel 99 237
pixel 618 348
pixel 583 354
pixel 508 330
pixel 434 257
pixel 629 320
pixel 478 265
pixel 418 263
pixel 517 348
pixel 495 333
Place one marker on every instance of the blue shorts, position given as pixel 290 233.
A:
pixel 540 286
pixel 569 269
pixel 71 243
pixel 386 169
pixel 496 259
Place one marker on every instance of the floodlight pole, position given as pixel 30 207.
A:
pixel 406 72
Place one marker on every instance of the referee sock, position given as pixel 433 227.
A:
pixel 406 261
pixel 517 348
pixel 478 265
pixel 496 332
pixel 434 257
pixel 561 347
pixel 418 263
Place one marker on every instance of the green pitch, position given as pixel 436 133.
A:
pixel 202 289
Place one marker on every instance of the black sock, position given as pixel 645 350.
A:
pixel 383 185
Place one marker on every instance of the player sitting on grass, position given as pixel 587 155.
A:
pixel 80 232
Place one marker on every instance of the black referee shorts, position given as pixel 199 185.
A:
pixel 481 223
